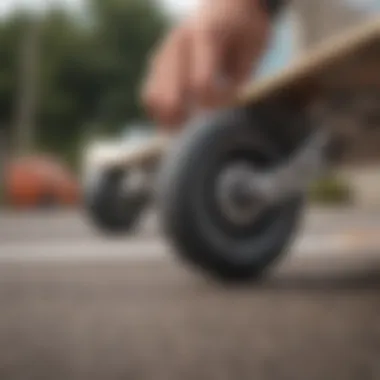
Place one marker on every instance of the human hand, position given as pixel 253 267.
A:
pixel 203 62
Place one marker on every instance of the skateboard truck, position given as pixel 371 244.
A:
pixel 294 176
pixel 244 192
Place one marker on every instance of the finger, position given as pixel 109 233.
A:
pixel 246 54
pixel 159 88
pixel 205 68
pixel 240 68
pixel 147 94
pixel 164 91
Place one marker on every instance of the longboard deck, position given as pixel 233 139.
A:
pixel 320 68
pixel 307 80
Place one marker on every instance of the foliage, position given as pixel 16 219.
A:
pixel 11 31
pixel 90 68
pixel 330 190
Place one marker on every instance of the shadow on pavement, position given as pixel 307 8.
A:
pixel 368 280
pixel 161 321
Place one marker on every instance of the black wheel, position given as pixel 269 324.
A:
pixel 193 217
pixel 112 209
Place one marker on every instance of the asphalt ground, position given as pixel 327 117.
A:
pixel 115 310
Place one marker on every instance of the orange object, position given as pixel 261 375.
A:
pixel 40 181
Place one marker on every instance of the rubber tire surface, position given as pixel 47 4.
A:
pixel 184 221
pixel 104 216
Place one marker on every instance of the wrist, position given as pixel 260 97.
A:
pixel 256 7
pixel 255 10
pixel 272 7
pixel 249 5
pixel 265 7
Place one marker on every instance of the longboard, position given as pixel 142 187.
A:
pixel 303 83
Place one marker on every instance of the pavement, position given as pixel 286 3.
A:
pixel 68 236
pixel 76 305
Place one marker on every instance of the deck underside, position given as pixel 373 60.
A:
pixel 347 93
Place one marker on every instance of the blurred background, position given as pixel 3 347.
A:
pixel 70 73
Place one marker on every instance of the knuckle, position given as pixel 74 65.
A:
pixel 171 111
pixel 202 88
pixel 170 107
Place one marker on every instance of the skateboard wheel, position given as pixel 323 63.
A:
pixel 194 214
pixel 111 209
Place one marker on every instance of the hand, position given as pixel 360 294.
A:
pixel 203 62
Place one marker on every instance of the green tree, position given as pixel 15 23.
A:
pixel 90 68
pixel 93 70
pixel 125 33
pixel 11 31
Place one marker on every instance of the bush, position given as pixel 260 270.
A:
pixel 330 190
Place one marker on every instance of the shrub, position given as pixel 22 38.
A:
pixel 330 190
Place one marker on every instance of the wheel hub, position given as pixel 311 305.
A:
pixel 238 203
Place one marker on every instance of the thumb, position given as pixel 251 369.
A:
pixel 206 68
